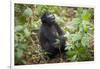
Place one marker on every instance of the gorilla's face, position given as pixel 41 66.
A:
pixel 51 18
pixel 48 19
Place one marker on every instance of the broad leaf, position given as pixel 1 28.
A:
pixel 28 12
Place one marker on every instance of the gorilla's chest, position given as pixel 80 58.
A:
pixel 53 31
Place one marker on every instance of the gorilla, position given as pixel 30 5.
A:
pixel 49 34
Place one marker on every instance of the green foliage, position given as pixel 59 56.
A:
pixel 78 30
pixel 28 12
pixel 79 40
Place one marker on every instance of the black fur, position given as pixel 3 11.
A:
pixel 48 34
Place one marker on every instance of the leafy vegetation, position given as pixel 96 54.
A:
pixel 77 24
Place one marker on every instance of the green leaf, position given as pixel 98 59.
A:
pixel 75 37
pixel 70 53
pixel 57 41
pixel 19 53
pixel 69 47
pixel 27 33
pixel 85 41
pixel 86 15
pixel 74 58
pixel 66 35
pixel 22 46
pixel 85 26
pixel 28 12
pixel 18 28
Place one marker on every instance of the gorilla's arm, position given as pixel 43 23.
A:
pixel 61 35
pixel 59 30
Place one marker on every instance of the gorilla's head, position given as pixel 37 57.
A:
pixel 48 18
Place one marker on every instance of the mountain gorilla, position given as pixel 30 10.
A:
pixel 49 33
